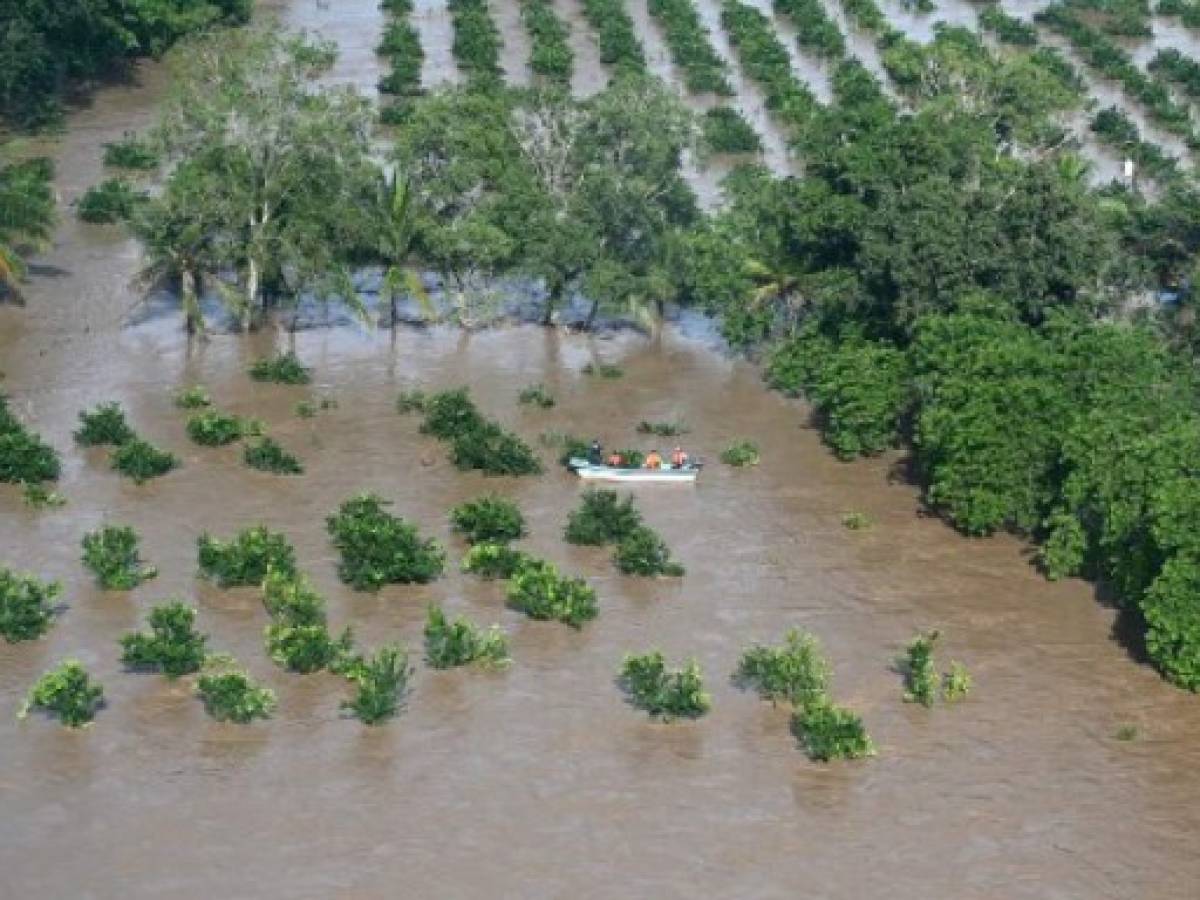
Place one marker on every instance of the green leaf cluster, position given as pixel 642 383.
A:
pixel 24 457
pixel 378 548
pixel 111 552
pixel 602 518
pixel 541 592
pixel 664 693
pixel 476 442
pixel 643 552
pixel 267 456
pixel 140 460
pixel 381 681
pixel 104 425
pixel 26 612
pixel 66 692
pixel 247 558
pixel 488 519
pixel 172 645
pixel 284 368
pixel 493 561
pixel 231 695
pixel 460 642
pixel 298 637
pixel 213 428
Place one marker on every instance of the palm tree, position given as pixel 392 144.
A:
pixel 396 232
pixel 27 216
pixel 176 248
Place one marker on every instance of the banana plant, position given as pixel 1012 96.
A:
pixel 398 221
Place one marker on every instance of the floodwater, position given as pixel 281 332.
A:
pixel 539 781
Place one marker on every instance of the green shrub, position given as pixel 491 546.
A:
pixel 491 519
pixel 381 682
pixel 212 428
pixel 1126 733
pixel 831 732
pixel 25 610
pixel 113 200
pixel 378 548
pixel 765 60
pixel 725 131
pixel 40 497
pixel 662 429
pixel 141 460
pixel 289 597
pixel 921 679
pixel 195 397
pixel 476 44
pixel 230 695
pixel 662 692
pixel 1172 614
pixel 956 683
pixel 131 153
pixel 856 521
pixel 615 35
pixel 247 558
pixel 602 518
pixel 282 369
pixel 172 645
pixel 492 561
pixel 550 54
pixel 307 648
pixel 603 370
pixel 111 553
pixel 1008 29
pixel 643 552
pixel 796 672
pixel 459 642
pixel 538 590
pixel 741 453
pixel 447 413
pixel 268 456
pixel 66 692
pixel 306 409
pixel 410 402
pixel 476 443
pixel 815 31
pixel 23 455
pixel 688 40
pixel 402 45
pixel 536 395
pixel 103 425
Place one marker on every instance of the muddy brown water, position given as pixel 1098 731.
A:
pixel 539 781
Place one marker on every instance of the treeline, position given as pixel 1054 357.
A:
pixel 49 46
pixel 922 290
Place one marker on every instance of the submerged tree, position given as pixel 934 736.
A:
pixel 26 217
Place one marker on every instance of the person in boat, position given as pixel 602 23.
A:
pixel 653 460
pixel 615 461
pixel 679 458
pixel 595 453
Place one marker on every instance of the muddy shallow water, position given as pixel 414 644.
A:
pixel 539 781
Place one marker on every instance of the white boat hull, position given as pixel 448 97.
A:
pixel 589 472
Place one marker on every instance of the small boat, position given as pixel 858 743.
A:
pixel 591 472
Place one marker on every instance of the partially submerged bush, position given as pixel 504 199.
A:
pixel 247 558
pixel 289 597
pixel 491 519
pixel 381 682
pixel 112 554
pixel 476 443
pixel 459 642
pixel 23 455
pixel 796 672
pixel 741 453
pixel 956 683
pixel 40 497
pixel 66 692
pixel 603 370
pixel 856 521
pixel 172 645
pixel 112 200
pixel 131 152
pixel 724 130
pixel 230 695
pixel 307 648
pixel 103 425
pixel 602 518
pixel 921 679
pixel 268 456
pixel 662 692
pixel 831 732
pixel 25 606
pixel 410 402
pixel 282 369
pixel 643 552
pixel 662 429
pixel 212 428
pixel 195 397
pixel 538 590
pixel 493 560
pixel 141 460
pixel 536 395
pixel 378 548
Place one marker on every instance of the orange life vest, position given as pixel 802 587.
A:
pixel 653 461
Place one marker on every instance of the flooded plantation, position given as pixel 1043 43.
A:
pixel 539 780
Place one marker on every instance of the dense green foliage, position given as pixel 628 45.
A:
pixel 815 31
pixel 1008 29
pixel 41 497
pixel 66 692
pixel 476 442
pixel 686 37
pixel 25 606
pixel 541 592
pixel 47 44
pixel 765 60
pixel 298 637
pixel 491 561
pixel 247 558
pixel 489 519
pixel 536 395
pixel 550 55
pixel 132 152
pixel 662 429
pixel 725 131
pixel 643 552
pixel 378 548
pixel 619 46
pixel 111 552
pixel 664 693
pixel 267 456
pixel 460 642
pixel 213 428
pixel 172 645
pixel 741 453
pixel 285 368
pixel 103 425
pixel 112 200
pixel 381 682
pixel 828 731
pixel 402 46
pixel 921 679
pixel 194 397
pixel 141 460
pixel 24 457
pixel 796 672
pixel 231 695
pixel 476 44
pixel 602 518
pixel 28 215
